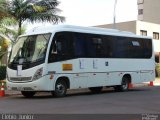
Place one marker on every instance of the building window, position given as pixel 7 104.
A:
pixel 140 11
pixel 143 32
pixel 156 35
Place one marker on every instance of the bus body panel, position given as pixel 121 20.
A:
pixel 83 76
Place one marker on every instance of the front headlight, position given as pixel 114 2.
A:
pixel 38 74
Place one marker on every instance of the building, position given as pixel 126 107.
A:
pixel 148 10
pixel 141 28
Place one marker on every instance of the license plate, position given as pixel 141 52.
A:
pixel 20 88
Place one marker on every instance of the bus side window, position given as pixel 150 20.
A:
pixel 59 47
pixel 54 49
pixel 97 41
pixel 79 45
pixel 62 47
pixel 60 43
pixel 53 52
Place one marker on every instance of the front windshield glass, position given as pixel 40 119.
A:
pixel 29 49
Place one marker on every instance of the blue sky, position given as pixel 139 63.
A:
pixel 96 12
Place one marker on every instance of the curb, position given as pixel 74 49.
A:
pixel 156 82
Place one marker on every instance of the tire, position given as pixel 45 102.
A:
pixel 124 85
pixel 95 89
pixel 28 94
pixel 60 89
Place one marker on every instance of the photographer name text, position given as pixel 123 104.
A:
pixel 17 117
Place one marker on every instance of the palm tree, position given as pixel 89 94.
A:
pixel 9 28
pixel 33 11
pixel 4 44
pixel 2 8
pixel 7 21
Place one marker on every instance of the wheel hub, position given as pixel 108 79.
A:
pixel 60 88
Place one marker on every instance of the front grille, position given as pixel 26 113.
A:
pixel 28 89
pixel 20 79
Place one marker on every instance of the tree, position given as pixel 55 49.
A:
pixel 3 9
pixel 33 11
pixel 7 22
pixel 14 12
pixel 4 44
pixel 9 28
pixel 3 12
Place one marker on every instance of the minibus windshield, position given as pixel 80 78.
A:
pixel 29 49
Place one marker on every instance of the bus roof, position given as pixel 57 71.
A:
pixel 71 28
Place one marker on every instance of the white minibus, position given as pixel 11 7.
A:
pixel 61 57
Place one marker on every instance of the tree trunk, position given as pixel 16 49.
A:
pixel 159 57
pixel 20 27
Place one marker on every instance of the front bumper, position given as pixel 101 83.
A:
pixel 42 84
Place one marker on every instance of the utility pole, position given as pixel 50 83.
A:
pixel 114 15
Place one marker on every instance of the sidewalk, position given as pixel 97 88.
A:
pixel 156 82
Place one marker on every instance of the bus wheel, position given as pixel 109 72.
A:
pixel 124 85
pixel 95 89
pixel 28 94
pixel 60 89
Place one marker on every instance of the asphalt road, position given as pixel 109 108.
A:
pixel 139 100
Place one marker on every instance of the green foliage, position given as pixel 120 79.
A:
pixel 33 11
pixel 2 72
pixel 8 28
pixel 3 11
pixel 14 12
pixel 3 46
pixel 158 69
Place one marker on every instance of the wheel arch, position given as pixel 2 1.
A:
pixel 128 76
